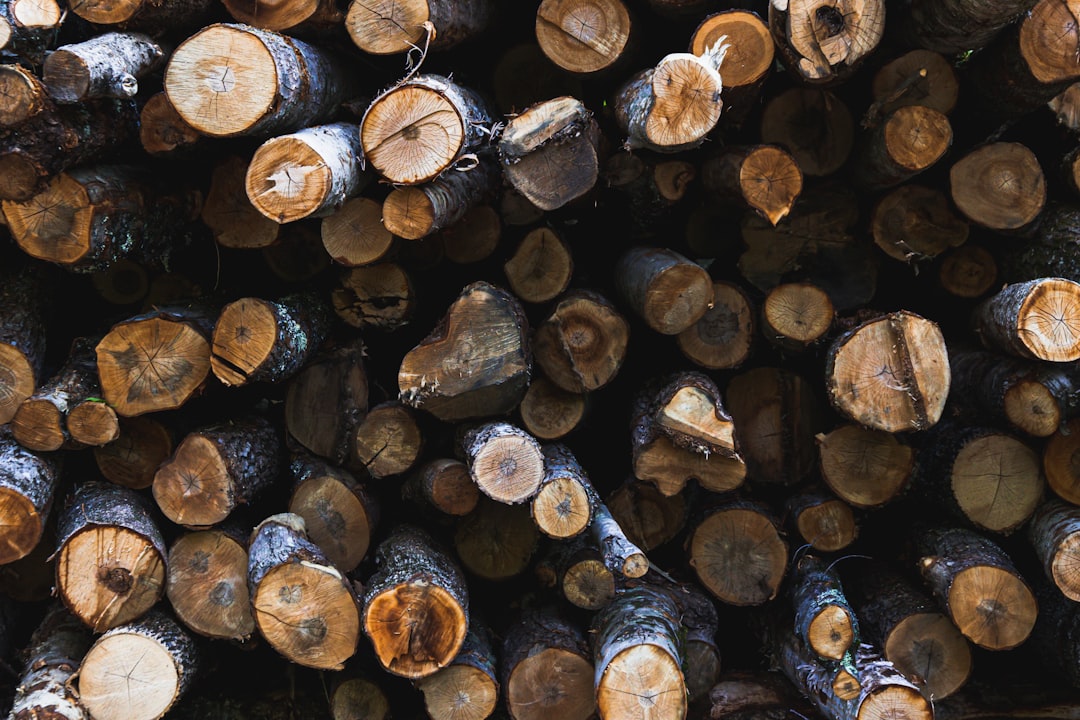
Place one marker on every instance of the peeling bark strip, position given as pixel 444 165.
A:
pixel 110 558
pixel 415 579
pixel 638 654
pixel 304 607
pixel 56 650
pixel 41 421
pixel 1038 319
pixel 386 27
pixel 28 28
pixel 108 65
pixel 153 654
pixel 825 41
pixel 207 583
pixel 414 213
pixel 468 688
pixel 547 670
pixel 217 468
pixel 229 80
pixel 27 485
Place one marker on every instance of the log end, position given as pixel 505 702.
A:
pixel 992 607
pixel 38 425
pixel 54 224
pixel 122 663
pixel 244 336
pixel 387 27
pixel 194 487
pixel 21 526
pixel 287 180
pixel 411 134
pixel 582 45
pixel 94 424
pixel 551 683
pixel 459 692
pixel 642 681
pixel 416 628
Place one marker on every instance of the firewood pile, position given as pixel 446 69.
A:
pixel 631 359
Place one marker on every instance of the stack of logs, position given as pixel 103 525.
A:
pixel 646 359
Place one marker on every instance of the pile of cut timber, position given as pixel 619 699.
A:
pixel 638 359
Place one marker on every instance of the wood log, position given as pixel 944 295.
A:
pixel 27 486
pixel 379 296
pixel 760 696
pixel 307 15
pixel 620 555
pixel 969 271
pixel 576 568
pixel 327 400
pixel 541 267
pixel 303 606
pixel 776 417
pixel 444 484
pixel 1047 253
pixel 474 237
pixel 92 423
pixel 388 28
pixel 496 541
pixel 267 341
pixel 88 218
pixel 110 558
pixel 109 65
pixel 699 618
pixel 151 16
pixel 354 235
pixel 796 316
pixel 865 468
pixel 28 28
pixel 999 186
pixel 40 423
pixel 813 125
pixel 665 289
pixel 357 697
pixel 24 95
pixel 652 189
pixel 216 468
pixel 919 77
pixel 467 688
pixel 564 505
pixel 56 649
pixel 229 214
pixel 764 178
pixel 748 62
pixel 340 514
pixel 911 383
pixel 953 26
pixel 1032 320
pixel 308 173
pixel 549 152
pixel 416 579
pixel 672 106
pixel 825 623
pixel 915 223
pixel 724 336
pixel 133 458
pixel 228 80
pixel 638 655
pixel 579 46
pixel 137 671
pixel 476 361
pixel 417 212
pixel 547 669
pixel 207 583
pixel 738 554
pixel 582 343
pixel 979 587
pixel 1062 477
pixel 1054 532
pixel 647 516
pixel 824 521
pixel 416 130
pixel 387 441
pixel 908 141
pixel 820 42
pixel 548 412
pixel 505 462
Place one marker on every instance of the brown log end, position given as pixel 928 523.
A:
pixel 416 628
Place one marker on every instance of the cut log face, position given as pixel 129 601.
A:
pixel 668 291
pixel 207 585
pixel 581 345
pixel 27 485
pixel 541 267
pixel 230 215
pixel 724 335
pixel 822 41
pixel 360 698
pixel 890 374
pixel 548 412
pixel 323 427
pixel 22 338
pixel 999 186
pixel 24 95
pixel 388 440
pixel 338 513
pixel 582 36
pixel 648 517
pixel 496 541
pixel 386 27
pixel 915 223
pixel 752 48
pixel 824 620
pixel 1061 462
pixel 920 77
pixel 866 468
pixel 823 521
pixel 132 459
pixel 108 65
pixel 467 689
pixel 377 296
pixel 738 555
pixel 505 462
pixel 814 125
pixel 969 271
pixel 996 481
pixel 444 484
pixel 797 314
pixel 354 235
pixel 1054 532
pixel 273 15
pixel 1039 319
pixel 414 213
pixel 547 669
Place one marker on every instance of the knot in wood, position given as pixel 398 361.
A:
pixel 118 580
pixel 829 19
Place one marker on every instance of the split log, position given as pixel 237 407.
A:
pixel 308 173
pixel 582 343
pixel 55 652
pixel 109 65
pixel 475 363
pixel 151 16
pixel 133 458
pixel 110 558
pixel 303 606
pixel 915 223
pixel 416 579
pixel 564 505
pixel 266 341
pixel 548 412
pixel 651 188
pixel 672 106
pixel 541 266
pixel 1034 319
pixel 416 130
pixel 999 186
pixel 583 47
pixel 953 26
pixel 59 138
pixel 796 316
pixel 748 62
pixel 1062 475
pixel 387 27
pixel 379 296
pixel 358 697
pixel 638 655
pixel 647 516
pixel 474 237
pixel 1054 533
pixel 467 688
pixel 24 95
pixel 387 441
pixel 824 521
pixel 229 214
pixel 28 28
pixel 207 583
pixel 217 468
pixel 354 234
pixel 417 212
pixel 228 80
pixel 813 125
pixel 577 569
pixel 824 620
pixel 305 15
pixel 738 554
pixel 908 141
pixel 444 484
pixel 27 486
pixel 910 383
pixel 865 468
pixel 920 77
pixel 776 417
pixel 40 423
pixel 547 670
pixel 764 178
pixel 153 654
pixel 969 271
pixel 340 514
pixel 978 585
pixel 496 541
pixel 665 289
pixel 88 218
pixel 820 42
pixel 723 337
pixel 549 152
pixel 327 400
pixel 505 462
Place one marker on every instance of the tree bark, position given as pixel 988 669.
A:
pixel 414 213
pixel 56 650
pixel 1054 533
pixel 1033 320
pixel 27 486
pixel 207 583
pixel 109 65
pixel 953 26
